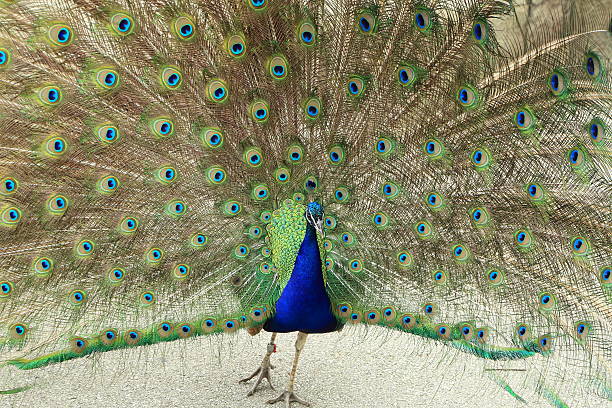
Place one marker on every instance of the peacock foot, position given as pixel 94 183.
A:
pixel 288 397
pixel 263 371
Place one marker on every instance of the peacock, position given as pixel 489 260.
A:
pixel 437 168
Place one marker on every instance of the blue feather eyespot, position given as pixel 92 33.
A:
pixel 341 195
pixel 366 22
pixel 433 149
pixel 154 255
pixel 344 310
pixel 162 127
pixel 525 120
pixel 216 175
pixel 593 66
pixel 77 297
pixel 460 253
pixel 5 57
pixel 582 330
pixel 576 158
pixel 523 238
pixel 108 185
pixel 55 147
pixel 495 277
pixel 184 28
pixel 423 229
pixel 265 268
pixel 229 325
pixel 467 331
pixel 147 298
pixel 132 337
pixel 605 276
pixel 482 334
pixel 217 91
pixel 165 330
pixel 580 246
pixel 390 190
pixel 78 344
pixel 389 314
pixel 348 239
pixel 328 245
pixel 546 301
pixel 535 192
pixel 312 108
pixel 355 86
pixel 257 4
pixel 209 325
pixel 108 337
pixel 430 309
pixel 43 266
pixel 380 220
pixel 468 97
pixel 355 317
pixel 356 265
pixel 18 331
pixel 254 232
pixel 480 217
pixel 266 252
pixel 307 33
pixel 330 222
pixel 260 192
pixel 212 137
pixel 176 208
pixel 235 46
pixel 423 20
pixel 481 159
pixel 295 154
pixel 278 67
pixel 384 146
pixel 171 78
pixel 10 216
pixel 372 316
pixel 184 330
pixel 107 78
pixel 116 275
pixel 122 24
pixel 434 201
pixel 60 35
pixel 241 251
pixel 8 186
pixel 265 216
pixel 597 131
pixel 440 277
pixel 259 111
pixel 443 331
pixel 85 248
pixel 404 258
pixel 558 83
pixel 253 157
pixel 407 75
pixel 257 314
pixel 311 184
pixel 407 321
pixel 6 288
pixel 545 343
pixel 50 95
pixel 166 175
pixel 198 240
pixel 299 197
pixel 522 331
pixel 282 175
pixel 108 134
pixel 128 225
pixel 480 31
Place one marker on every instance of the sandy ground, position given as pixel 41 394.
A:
pixel 348 369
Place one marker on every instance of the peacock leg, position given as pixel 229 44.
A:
pixel 288 396
pixel 264 369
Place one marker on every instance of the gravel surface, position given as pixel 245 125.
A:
pixel 354 368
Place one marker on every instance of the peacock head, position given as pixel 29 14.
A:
pixel 314 215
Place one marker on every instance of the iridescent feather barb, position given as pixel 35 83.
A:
pixel 172 169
